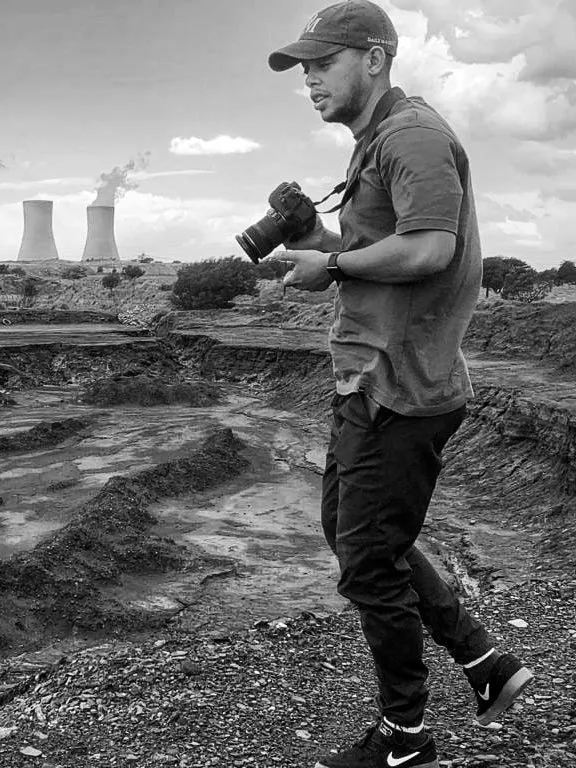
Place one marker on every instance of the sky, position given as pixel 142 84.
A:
pixel 174 100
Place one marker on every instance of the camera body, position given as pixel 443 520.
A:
pixel 292 214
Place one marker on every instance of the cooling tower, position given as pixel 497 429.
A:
pixel 100 243
pixel 38 239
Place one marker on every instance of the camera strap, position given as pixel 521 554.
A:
pixel 381 112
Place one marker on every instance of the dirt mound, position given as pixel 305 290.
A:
pixel 544 332
pixel 43 435
pixel 142 389
pixel 84 363
pixel 55 316
pixel 59 584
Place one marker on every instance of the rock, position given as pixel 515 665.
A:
pixel 30 751
pixel 519 623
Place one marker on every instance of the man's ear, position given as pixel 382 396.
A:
pixel 377 60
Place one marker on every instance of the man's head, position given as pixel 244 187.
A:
pixel 346 51
pixel 357 24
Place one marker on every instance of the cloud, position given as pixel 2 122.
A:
pixel 495 67
pixel 70 181
pixel 334 135
pixel 537 158
pixel 322 181
pixel 523 229
pixel 221 145
pixel 145 175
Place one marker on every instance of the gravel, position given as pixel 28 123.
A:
pixel 280 693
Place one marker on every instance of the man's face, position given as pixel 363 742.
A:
pixel 338 85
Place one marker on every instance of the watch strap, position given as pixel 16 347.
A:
pixel 333 268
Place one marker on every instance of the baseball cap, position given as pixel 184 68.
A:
pixel 351 24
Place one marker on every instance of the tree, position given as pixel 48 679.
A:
pixel 111 280
pixel 18 271
pixel 567 272
pixel 495 269
pixel 548 276
pixel 132 271
pixel 30 290
pixel 213 283
pixel 144 259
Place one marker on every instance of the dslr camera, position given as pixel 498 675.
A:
pixel 292 215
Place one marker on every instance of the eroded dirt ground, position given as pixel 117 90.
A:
pixel 260 531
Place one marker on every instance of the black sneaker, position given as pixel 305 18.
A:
pixel 381 747
pixel 506 681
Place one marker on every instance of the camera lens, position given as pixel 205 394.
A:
pixel 260 239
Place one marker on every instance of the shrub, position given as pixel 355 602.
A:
pixel 100 269
pixel 567 272
pixel 132 271
pixel 17 271
pixel 166 286
pixel 272 270
pixel 522 285
pixel 111 280
pixel 4 269
pixel 213 284
pixel 76 272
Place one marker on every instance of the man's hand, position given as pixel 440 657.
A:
pixel 320 239
pixel 309 272
pixel 312 241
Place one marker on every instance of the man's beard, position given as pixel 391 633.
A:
pixel 348 112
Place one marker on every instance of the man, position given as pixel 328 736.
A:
pixel 408 267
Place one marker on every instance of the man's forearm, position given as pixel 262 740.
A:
pixel 400 258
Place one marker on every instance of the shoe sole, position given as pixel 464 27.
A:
pixel 513 688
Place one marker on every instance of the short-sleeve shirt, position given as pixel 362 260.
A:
pixel 401 343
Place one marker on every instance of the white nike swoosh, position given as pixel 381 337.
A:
pixel 486 695
pixel 395 761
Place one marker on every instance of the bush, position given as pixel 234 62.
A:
pixel 166 286
pixel 17 271
pixel 567 272
pixel 213 284
pixel 132 271
pixel 4 269
pixel 272 270
pixel 111 280
pixel 522 285
pixel 100 269
pixel 76 272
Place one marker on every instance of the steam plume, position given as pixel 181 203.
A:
pixel 113 185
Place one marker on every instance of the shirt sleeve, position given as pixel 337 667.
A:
pixel 418 166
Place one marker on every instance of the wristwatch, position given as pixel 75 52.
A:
pixel 334 270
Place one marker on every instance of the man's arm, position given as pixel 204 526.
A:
pixel 401 258
pixel 396 259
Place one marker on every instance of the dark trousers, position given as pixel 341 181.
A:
pixel 379 478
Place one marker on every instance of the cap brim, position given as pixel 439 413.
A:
pixel 302 50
